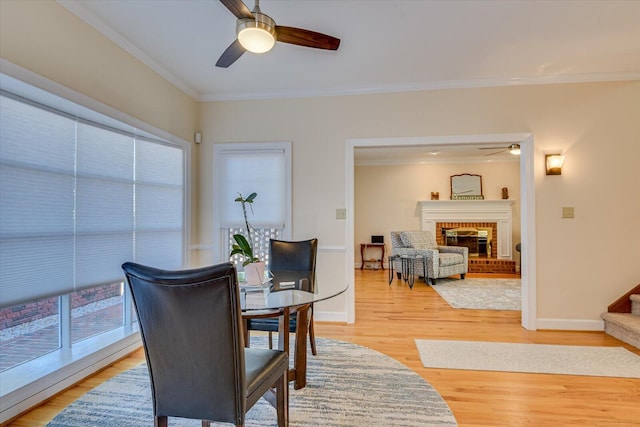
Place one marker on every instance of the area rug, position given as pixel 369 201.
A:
pixel 347 385
pixel 529 358
pixel 481 294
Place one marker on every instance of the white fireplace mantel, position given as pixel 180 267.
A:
pixel 498 211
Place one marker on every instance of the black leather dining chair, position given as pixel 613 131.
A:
pixel 290 256
pixel 191 327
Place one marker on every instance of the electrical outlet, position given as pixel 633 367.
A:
pixel 567 212
pixel 341 213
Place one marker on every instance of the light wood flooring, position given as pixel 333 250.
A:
pixel 389 318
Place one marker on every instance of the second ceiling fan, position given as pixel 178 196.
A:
pixel 513 149
pixel 258 32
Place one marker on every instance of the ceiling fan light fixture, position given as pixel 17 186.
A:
pixel 514 149
pixel 257 35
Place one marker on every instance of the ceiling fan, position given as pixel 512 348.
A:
pixel 258 32
pixel 513 149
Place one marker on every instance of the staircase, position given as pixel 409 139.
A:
pixel 623 318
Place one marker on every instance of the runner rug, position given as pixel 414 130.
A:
pixel 347 385
pixel 481 294
pixel 529 358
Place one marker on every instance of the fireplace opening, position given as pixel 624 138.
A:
pixel 478 241
pixel 477 237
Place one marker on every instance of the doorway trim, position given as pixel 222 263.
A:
pixel 527 207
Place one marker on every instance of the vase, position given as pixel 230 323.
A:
pixel 254 273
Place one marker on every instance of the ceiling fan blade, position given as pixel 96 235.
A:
pixel 231 55
pixel 238 8
pixel 306 38
pixel 493 154
pixel 492 148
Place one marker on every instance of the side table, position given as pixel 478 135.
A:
pixel 363 248
pixel 408 268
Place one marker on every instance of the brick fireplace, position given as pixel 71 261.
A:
pixel 492 216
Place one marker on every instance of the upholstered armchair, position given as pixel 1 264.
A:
pixel 442 261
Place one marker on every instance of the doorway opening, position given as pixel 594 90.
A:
pixel 527 205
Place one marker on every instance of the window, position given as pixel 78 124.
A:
pixel 28 331
pixel 96 310
pixel 260 242
pixel 80 194
pixel 245 168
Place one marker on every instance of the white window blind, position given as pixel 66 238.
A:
pixel 37 162
pixel 246 172
pixel 78 199
pixel 104 205
pixel 159 205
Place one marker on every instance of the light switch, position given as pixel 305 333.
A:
pixel 341 213
pixel 567 212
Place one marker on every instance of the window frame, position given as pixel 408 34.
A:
pixel 220 247
pixel 32 382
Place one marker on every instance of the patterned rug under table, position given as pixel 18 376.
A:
pixel 347 385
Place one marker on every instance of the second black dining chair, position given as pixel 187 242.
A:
pixel 290 256
pixel 191 327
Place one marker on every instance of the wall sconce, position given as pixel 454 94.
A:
pixel 554 164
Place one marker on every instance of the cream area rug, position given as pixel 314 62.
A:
pixel 529 358
pixel 481 294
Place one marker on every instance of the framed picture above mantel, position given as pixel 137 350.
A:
pixel 466 186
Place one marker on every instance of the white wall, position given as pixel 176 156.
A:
pixel 595 124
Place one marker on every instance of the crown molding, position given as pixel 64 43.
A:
pixel 425 86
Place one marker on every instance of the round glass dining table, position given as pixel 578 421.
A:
pixel 282 294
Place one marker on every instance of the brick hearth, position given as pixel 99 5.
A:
pixel 491 265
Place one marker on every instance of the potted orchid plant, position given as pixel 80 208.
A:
pixel 243 246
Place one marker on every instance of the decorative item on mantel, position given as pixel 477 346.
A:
pixel 435 195
pixel 505 193
pixel 253 267
pixel 467 197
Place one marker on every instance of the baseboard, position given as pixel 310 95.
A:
pixel 570 324
pixel 330 316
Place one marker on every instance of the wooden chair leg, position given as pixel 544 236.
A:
pixel 206 423
pixel 270 340
pixel 312 334
pixel 160 421
pixel 247 334
pixel 282 400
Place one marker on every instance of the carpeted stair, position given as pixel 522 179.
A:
pixel 625 326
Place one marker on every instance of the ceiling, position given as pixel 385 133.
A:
pixel 386 46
